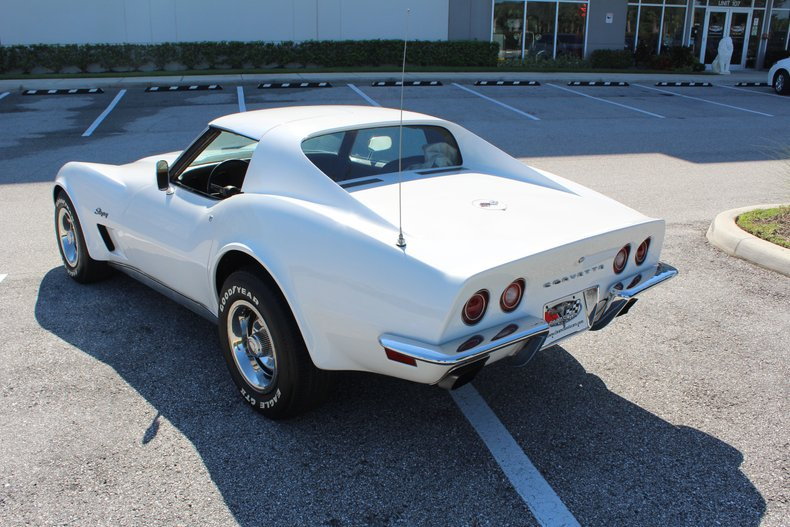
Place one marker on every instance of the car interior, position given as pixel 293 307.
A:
pixel 367 152
pixel 217 164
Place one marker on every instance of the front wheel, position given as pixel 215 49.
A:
pixel 782 83
pixel 71 242
pixel 264 350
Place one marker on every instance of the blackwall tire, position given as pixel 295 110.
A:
pixel 71 243
pixel 264 350
pixel 782 83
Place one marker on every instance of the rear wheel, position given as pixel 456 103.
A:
pixel 782 82
pixel 71 243
pixel 264 350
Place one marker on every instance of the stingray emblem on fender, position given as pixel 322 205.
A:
pixel 101 213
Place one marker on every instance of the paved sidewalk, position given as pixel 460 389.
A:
pixel 281 75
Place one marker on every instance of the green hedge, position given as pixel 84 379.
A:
pixel 238 55
pixel 618 59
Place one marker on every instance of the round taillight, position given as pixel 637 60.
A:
pixel 641 252
pixel 620 259
pixel 511 296
pixel 475 307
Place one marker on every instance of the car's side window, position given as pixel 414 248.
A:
pixel 219 167
pixel 372 151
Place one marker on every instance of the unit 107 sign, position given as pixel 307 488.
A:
pixel 726 3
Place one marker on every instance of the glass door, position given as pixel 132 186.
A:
pixel 720 23
pixel 715 26
pixel 739 32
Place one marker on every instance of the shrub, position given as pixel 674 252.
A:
pixel 163 54
pixel 238 55
pixel 681 57
pixel 619 59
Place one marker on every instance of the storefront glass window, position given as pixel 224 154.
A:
pixel 649 24
pixel 695 40
pixel 540 29
pixel 630 26
pixel 529 25
pixel 508 18
pixel 755 31
pixel 571 21
pixel 674 22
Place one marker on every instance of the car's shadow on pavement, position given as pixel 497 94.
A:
pixel 383 451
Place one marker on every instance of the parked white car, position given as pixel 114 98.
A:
pixel 282 226
pixel 779 76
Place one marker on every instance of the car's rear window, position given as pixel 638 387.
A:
pixel 366 152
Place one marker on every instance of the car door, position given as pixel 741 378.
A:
pixel 169 234
pixel 167 237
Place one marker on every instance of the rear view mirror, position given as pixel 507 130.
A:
pixel 380 142
pixel 162 175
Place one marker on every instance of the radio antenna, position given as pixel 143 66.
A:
pixel 401 240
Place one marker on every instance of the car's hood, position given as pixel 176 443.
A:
pixel 487 220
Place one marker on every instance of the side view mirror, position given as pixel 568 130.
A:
pixel 162 175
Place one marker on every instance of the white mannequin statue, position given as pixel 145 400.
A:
pixel 721 64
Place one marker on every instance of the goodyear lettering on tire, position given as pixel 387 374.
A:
pixel 233 290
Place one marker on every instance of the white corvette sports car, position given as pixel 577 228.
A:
pixel 282 226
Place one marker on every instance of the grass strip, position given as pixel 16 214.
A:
pixel 772 225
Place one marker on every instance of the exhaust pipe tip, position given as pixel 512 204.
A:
pixel 531 347
pixel 462 375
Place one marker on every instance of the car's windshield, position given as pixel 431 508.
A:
pixel 225 146
pixel 364 152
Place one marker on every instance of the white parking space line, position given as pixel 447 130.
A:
pixel 607 101
pixel 242 104
pixel 541 499
pixel 752 91
pixel 363 95
pixel 503 105
pixel 2 277
pixel 704 100
pixel 104 114
pixel 4 94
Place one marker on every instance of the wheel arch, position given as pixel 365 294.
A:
pixel 236 258
pixel 57 188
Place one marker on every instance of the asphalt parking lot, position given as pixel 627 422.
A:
pixel 118 410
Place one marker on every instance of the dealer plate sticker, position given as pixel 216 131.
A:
pixel 565 316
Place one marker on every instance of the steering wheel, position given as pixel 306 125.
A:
pixel 234 167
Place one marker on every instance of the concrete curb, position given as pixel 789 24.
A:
pixel 725 234
pixel 361 77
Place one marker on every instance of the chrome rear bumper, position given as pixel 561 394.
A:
pixel 622 295
pixel 526 335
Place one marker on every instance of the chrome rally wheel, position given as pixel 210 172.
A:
pixel 251 343
pixel 67 236
pixel 782 83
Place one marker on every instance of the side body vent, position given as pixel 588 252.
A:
pixel 105 235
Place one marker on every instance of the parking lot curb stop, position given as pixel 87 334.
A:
pixel 73 91
pixel 597 83
pixel 507 83
pixel 686 84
